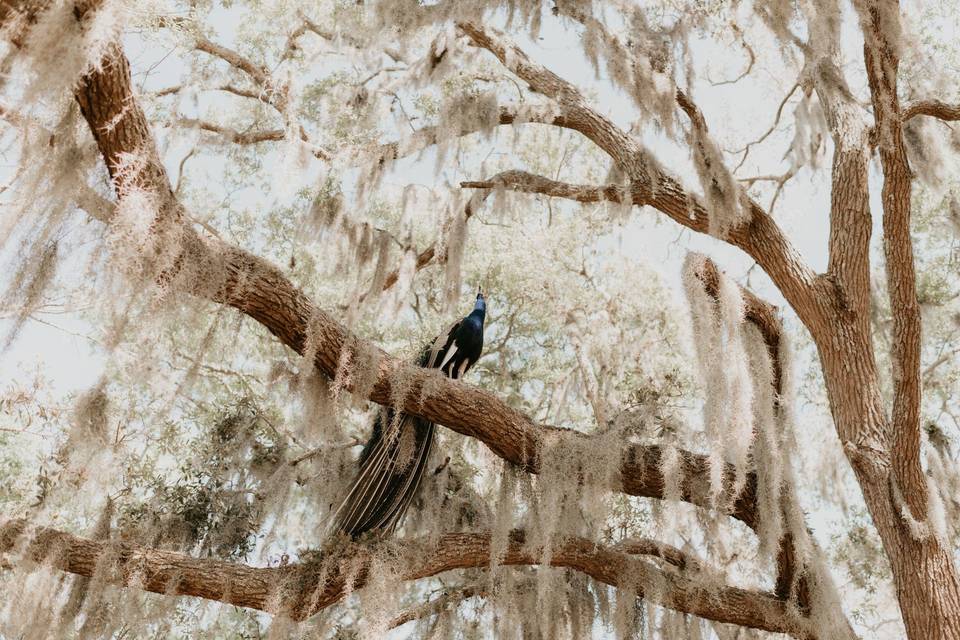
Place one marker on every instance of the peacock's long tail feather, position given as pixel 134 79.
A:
pixel 392 465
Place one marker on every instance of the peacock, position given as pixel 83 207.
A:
pixel 393 461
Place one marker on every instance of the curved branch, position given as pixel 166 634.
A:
pixel 301 590
pixel 437 605
pixel 933 108
pixel 745 150
pixel 525 182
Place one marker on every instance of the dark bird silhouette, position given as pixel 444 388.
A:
pixel 393 460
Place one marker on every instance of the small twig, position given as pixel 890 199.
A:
pixel 776 120
pixel 355 442
pixel 442 466
pixel 750 53
pixel 438 604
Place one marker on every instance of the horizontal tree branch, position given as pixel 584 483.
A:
pixel 438 605
pixel 301 590
pixel 228 88
pixel 237 137
pixel 430 135
pixel 250 137
pixel 933 108
pixel 522 181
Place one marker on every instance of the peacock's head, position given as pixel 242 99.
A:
pixel 481 305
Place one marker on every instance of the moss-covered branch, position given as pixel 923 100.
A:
pixel 301 590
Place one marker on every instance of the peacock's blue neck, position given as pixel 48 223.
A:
pixel 479 312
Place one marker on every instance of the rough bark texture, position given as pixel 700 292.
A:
pixel 924 573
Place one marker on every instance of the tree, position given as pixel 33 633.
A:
pixel 565 495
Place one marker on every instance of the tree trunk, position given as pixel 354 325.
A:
pixel 924 573
pixel 923 570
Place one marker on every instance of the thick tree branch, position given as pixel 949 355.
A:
pixel 850 225
pixel 845 334
pixel 301 590
pixel 882 65
pixel 121 131
pixel 220 272
pixel 933 108
pixel 763 315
